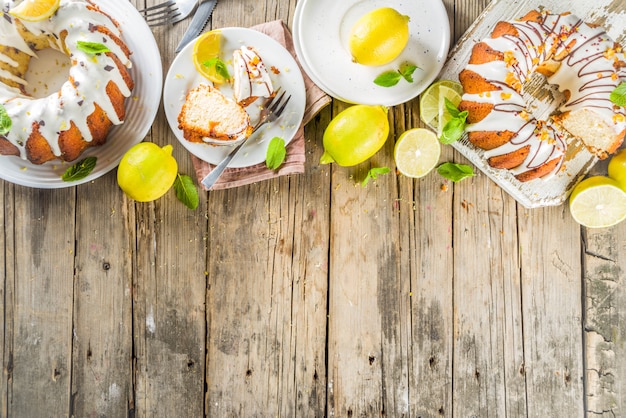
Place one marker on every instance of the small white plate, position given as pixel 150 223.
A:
pixel 321 29
pixel 284 72
pixel 141 108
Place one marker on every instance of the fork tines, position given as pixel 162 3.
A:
pixel 160 14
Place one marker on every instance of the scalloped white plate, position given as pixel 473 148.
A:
pixel 141 108
pixel 183 76
pixel 321 28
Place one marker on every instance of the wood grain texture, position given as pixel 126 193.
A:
pixel 309 295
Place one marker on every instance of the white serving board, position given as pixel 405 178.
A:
pixel 610 14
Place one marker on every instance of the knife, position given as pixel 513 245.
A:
pixel 199 21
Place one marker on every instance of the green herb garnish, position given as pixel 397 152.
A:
pixel 80 170
pixel 618 96
pixel 276 153
pixel 5 121
pixel 391 78
pixel 92 48
pixel 220 67
pixel 454 128
pixel 186 191
pixel 373 173
pixel 455 172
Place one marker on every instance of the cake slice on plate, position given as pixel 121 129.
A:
pixel 251 79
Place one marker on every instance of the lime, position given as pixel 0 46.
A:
pixel 598 202
pixel 617 168
pixel 355 134
pixel 417 152
pixel 432 103
pixel 205 51
pixel 147 171
pixel 379 36
pixel 35 10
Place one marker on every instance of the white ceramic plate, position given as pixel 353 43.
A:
pixel 183 76
pixel 321 29
pixel 141 108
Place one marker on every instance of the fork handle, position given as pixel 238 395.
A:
pixel 209 180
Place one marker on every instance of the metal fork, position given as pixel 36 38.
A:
pixel 168 12
pixel 270 111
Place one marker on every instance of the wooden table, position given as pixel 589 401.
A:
pixel 308 295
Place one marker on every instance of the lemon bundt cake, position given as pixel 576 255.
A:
pixel 582 60
pixel 80 115
pixel 210 117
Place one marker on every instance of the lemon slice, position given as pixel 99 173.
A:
pixel 206 48
pixel 417 152
pixel 598 202
pixel 35 10
pixel 431 102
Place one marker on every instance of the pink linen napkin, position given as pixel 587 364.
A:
pixel 316 99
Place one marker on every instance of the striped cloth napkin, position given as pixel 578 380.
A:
pixel 316 99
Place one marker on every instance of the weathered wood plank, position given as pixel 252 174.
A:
pixel 7 292
pixel 102 373
pixel 40 351
pixel 605 297
pixel 552 313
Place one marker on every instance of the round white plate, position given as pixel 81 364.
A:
pixel 321 29
pixel 183 76
pixel 141 108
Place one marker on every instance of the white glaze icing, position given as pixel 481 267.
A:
pixel 91 74
pixel 587 58
pixel 251 78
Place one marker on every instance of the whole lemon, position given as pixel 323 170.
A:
pixel 355 134
pixel 379 36
pixel 617 168
pixel 147 171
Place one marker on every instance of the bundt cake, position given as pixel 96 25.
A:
pixel 80 115
pixel 210 117
pixel 251 78
pixel 582 60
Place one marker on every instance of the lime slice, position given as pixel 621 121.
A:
pixel 444 117
pixel 598 202
pixel 34 11
pixel 417 152
pixel 431 102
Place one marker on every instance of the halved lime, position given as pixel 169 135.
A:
pixel 417 152
pixel 431 101
pixel 598 202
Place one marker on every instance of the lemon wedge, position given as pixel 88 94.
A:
pixel 35 10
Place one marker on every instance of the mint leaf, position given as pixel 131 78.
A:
pixel 5 121
pixel 451 108
pixel 388 79
pixel 406 71
pixel 220 67
pixel 92 48
pixel 618 96
pixel 373 173
pixel 186 191
pixel 453 130
pixel 80 170
pixel 455 172
pixel 276 153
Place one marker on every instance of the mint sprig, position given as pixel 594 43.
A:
pixel 455 172
pixel 276 153
pixel 92 48
pixel 220 67
pixel 5 121
pixel 618 95
pixel 373 173
pixel 80 170
pixel 186 191
pixel 392 77
pixel 454 128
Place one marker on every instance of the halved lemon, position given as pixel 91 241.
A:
pixel 417 152
pixel 431 101
pixel 206 50
pixel 598 202
pixel 35 10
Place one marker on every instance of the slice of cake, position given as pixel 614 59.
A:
pixel 209 116
pixel 251 78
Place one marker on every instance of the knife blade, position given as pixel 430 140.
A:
pixel 199 21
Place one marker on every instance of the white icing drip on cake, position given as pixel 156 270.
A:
pixel 251 78
pixel 90 73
